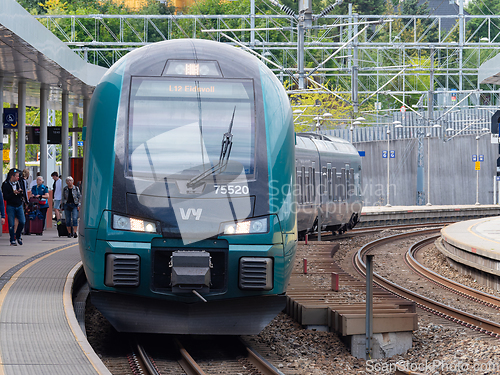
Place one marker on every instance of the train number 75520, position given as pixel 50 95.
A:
pixel 231 189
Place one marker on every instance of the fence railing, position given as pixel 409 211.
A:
pixel 452 123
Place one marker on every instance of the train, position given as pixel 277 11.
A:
pixel 189 210
pixel 328 184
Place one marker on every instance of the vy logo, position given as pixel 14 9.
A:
pixel 185 215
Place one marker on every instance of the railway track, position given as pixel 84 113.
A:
pixel 203 358
pixel 165 354
pixel 356 232
pixel 442 310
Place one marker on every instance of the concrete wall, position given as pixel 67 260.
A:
pixel 452 173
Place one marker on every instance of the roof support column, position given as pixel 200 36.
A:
pixel 74 135
pixel 21 119
pixel 64 134
pixel 1 101
pixel 12 157
pixel 44 98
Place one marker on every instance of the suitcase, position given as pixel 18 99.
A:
pixel 62 231
pixel 36 226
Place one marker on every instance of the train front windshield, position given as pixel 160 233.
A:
pixel 177 127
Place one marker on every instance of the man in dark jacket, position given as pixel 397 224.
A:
pixel 13 195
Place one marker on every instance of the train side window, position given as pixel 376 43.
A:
pixel 334 183
pixel 357 184
pixel 351 182
pixel 329 184
pixel 347 179
pixel 342 185
pixel 298 184
pixel 323 183
pixel 305 184
pixel 309 182
pixel 312 186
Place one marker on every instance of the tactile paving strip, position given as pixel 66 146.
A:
pixel 35 337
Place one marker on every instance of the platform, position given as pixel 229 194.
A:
pixel 473 247
pixel 398 215
pixel 38 331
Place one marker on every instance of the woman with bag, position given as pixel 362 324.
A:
pixel 71 202
pixel 41 192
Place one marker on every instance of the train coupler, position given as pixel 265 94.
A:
pixel 190 271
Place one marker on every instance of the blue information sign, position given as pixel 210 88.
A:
pixel 9 118
pixel 80 143
pixel 474 158
pixel 361 153
pixel 392 154
pixel 384 154
pixel 481 157
pixel 498 178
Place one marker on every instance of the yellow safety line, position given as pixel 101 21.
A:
pixel 69 311
pixel 484 238
pixel 13 279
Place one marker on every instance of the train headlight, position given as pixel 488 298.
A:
pixel 132 224
pixel 247 227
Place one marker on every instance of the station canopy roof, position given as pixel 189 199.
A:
pixel 489 72
pixel 30 52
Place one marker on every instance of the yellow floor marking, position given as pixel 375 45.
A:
pixel 13 279
pixel 75 327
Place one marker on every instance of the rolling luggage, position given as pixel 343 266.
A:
pixel 35 217
pixel 62 231
pixel 36 225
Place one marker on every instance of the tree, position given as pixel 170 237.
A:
pixel 363 7
pixel 317 104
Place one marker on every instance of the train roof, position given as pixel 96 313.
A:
pixel 324 143
pixel 219 59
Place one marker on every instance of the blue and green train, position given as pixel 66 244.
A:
pixel 189 219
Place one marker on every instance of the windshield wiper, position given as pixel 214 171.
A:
pixel 225 151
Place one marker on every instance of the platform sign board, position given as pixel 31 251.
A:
pixel 10 118
pixel 495 138
pixel 481 157
pixel 54 135
pixel 32 135
pixel 384 154
pixel 6 156
pixel 392 154
pixel 474 158
pixel 478 166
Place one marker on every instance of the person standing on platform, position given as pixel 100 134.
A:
pixel 13 195
pixel 33 183
pixel 56 195
pixel 24 183
pixel 71 202
pixel 2 207
pixel 41 192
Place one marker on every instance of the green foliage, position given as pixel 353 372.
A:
pixel 317 104
pixel 477 26
pixel 362 7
